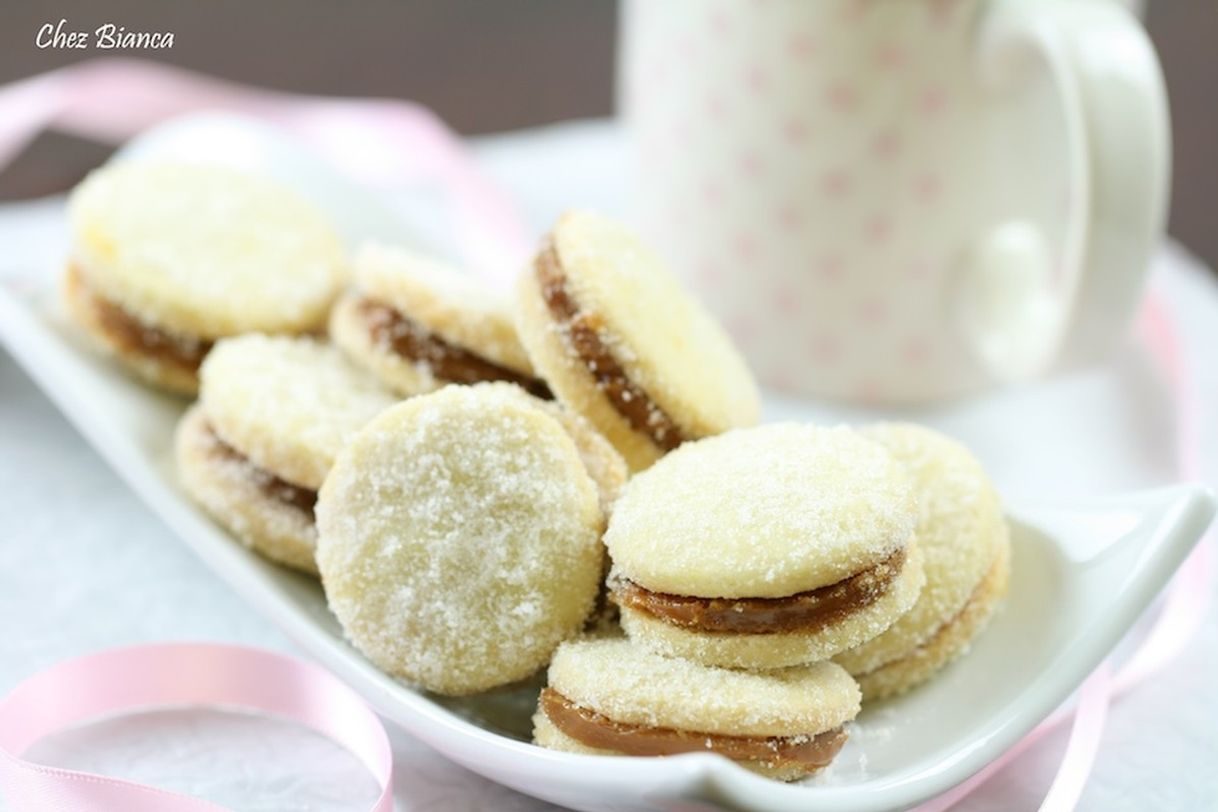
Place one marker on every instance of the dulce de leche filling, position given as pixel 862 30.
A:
pixel 583 330
pixel 409 339
pixel 595 730
pixel 802 612
pixel 129 334
pixel 271 486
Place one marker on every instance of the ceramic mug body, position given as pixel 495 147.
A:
pixel 882 200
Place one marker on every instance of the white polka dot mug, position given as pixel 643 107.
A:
pixel 900 200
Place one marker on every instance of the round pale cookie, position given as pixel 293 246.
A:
pixel 672 366
pixel 949 641
pixel 961 531
pixel 779 514
pixel 94 318
pixel 433 302
pixel 241 496
pixel 289 404
pixel 202 251
pixel 459 539
pixel 630 686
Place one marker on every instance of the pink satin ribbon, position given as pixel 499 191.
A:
pixel 126 679
pixel 112 100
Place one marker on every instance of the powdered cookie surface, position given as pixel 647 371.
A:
pixel 610 695
pixel 265 513
pixel 459 539
pixel 622 343
pixel 962 532
pixel 606 467
pixel 202 251
pixel 763 512
pixel 289 404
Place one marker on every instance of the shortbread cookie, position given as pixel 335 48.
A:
pixel 419 324
pixel 274 413
pixel 460 539
pixel 765 547
pixel 965 545
pixel 622 343
pixel 166 259
pixel 610 696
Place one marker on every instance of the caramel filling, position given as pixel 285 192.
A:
pixel 412 340
pixel 129 334
pixel 271 486
pixel 803 612
pixel 595 730
pixel 583 331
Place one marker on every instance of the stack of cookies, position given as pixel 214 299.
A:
pixel 457 469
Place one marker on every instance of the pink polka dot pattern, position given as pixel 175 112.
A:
pixel 801 163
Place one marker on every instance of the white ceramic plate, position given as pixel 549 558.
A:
pixel 1081 576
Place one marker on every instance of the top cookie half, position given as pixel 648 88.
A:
pixel 202 251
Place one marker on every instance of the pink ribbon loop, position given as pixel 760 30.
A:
pixel 141 677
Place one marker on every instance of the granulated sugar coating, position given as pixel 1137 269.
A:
pixel 606 467
pixel 459 539
pixel 289 404
pixel 204 251
pixel 443 300
pixel 763 513
pixel 242 496
pixel 684 378
pixel 631 685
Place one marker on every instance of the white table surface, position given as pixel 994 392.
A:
pixel 84 566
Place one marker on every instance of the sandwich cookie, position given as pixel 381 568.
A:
pixel 273 414
pixel 765 547
pixel 609 696
pixel 622 343
pixel 419 324
pixel 966 553
pixel 460 539
pixel 167 259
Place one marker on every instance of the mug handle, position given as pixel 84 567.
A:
pixel 1018 319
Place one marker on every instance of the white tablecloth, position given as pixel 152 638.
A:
pixel 83 565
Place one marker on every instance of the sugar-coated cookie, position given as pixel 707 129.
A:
pixel 419 324
pixel 289 404
pixel 765 547
pixel 965 545
pixel 274 412
pixel 264 512
pixel 610 696
pixel 622 343
pixel 459 539
pixel 168 258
